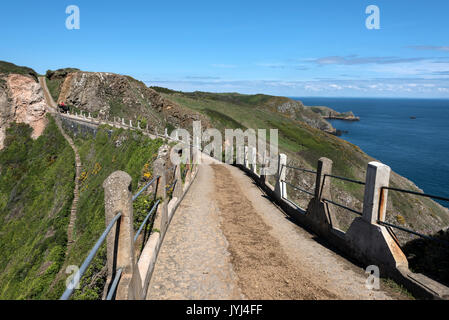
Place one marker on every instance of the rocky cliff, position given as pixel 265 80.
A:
pixel 112 95
pixel 21 101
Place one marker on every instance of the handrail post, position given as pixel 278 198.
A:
pixel 120 244
pixel 322 189
pixel 245 157
pixel 371 242
pixel 281 187
pixel 319 211
pixel 253 159
pixel 263 176
pixel 177 192
pixel 375 205
pixel 161 192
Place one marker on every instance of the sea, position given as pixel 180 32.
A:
pixel 409 135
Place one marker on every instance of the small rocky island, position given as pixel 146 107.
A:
pixel 328 113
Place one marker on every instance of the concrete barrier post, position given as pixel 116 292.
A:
pixel 161 192
pixel 254 159
pixel 322 184
pixel 120 241
pixel 377 176
pixel 245 157
pixel 263 176
pixel 177 192
pixel 318 210
pixel 281 188
pixel 371 242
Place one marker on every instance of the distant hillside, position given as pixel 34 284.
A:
pixel 285 106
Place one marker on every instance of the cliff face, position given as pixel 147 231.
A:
pixel 112 95
pixel 296 110
pixel 21 101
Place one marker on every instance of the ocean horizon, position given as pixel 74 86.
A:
pixel 409 135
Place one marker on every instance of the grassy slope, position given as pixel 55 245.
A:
pixel 101 157
pixel 36 190
pixel 54 86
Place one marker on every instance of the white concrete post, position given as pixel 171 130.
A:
pixel 377 176
pixel 245 157
pixel 123 121
pixel 89 116
pixel 263 176
pixel 254 159
pixel 130 123
pixel 166 132
pixel 324 167
pixel 281 187
pixel 147 128
pixel 138 125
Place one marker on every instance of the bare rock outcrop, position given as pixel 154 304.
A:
pixel 113 95
pixel 21 101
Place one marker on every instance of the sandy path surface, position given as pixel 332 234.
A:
pixel 227 241
pixel 194 262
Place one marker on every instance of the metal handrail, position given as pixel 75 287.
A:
pixel 69 291
pixel 416 193
pixel 412 232
pixel 111 292
pixel 300 169
pixel 297 188
pixel 146 219
pixel 145 188
pixel 184 172
pixel 343 206
pixel 422 194
pixel 344 179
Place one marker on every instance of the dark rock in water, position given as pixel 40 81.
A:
pixel 412 117
pixel 339 132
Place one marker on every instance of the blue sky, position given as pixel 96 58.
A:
pixel 294 48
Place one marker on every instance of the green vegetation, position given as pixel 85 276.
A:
pixel 10 68
pixel 54 86
pixel 36 191
pixel 111 150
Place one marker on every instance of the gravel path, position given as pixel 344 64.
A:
pixel 227 241
pixel 193 263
